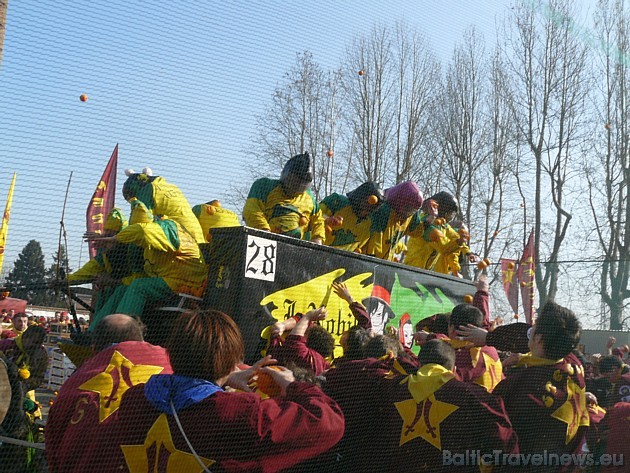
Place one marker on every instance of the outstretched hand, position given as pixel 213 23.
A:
pixel 241 379
pixel 471 333
pixel 341 289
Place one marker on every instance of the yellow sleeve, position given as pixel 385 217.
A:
pixel 254 214
pixel 146 235
pixel 318 226
pixel 88 271
pixel 254 210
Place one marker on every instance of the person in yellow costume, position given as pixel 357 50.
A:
pixel 212 215
pixel 347 216
pixel 111 267
pixel 173 261
pixel 390 221
pixel 162 198
pixel 287 205
pixel 433 243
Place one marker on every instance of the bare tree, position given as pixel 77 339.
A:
pixel 464 139
pixel 548 88
pixel 369 86
pixel 417 79
pixel 609 179
pixel 4 5
pixel 303 116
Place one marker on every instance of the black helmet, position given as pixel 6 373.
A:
pixel 447 204
pixel 360 198
pixel 300 166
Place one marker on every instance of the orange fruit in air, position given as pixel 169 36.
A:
pixel 267 385
pixel 511 265
pixel 372 200
pixel 361 72
pixel 516 316
pixel 487 261
pixel 481 265
pixel 468 299
pixel 303 221
pixel 83 97
pixel 330 153
pixel 358 251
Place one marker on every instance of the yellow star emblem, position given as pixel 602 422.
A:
pixel 423 419
pixel 508 276
pixel 573 411
pixel 493 372
pixel 158 453
pixel 120 375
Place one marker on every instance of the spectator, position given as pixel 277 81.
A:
pixel 308 345
pixel 87 404
pixel 225 431
pixel 18 326
pixel 545 399
pixel 401 418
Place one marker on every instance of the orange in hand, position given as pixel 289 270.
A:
pixel 267 385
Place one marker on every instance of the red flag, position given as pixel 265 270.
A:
pixel 527 277
pixel 510 282
pixel 102 201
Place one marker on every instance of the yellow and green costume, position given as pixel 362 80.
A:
pixel 269 208
pixel 434 247
pixel 354 232
pixel 214 216
pixel 163 198
pixel 386 230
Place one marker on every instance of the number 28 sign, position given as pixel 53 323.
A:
pixel 260 259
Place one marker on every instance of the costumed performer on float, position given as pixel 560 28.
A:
pixel 287 205
pixel 172 261
pixel 112 266
pixel 212 215
pixel 390 221
pixel 347 216
pixel 433 244
pixel 162 198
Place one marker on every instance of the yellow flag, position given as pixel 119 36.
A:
pixel 5 221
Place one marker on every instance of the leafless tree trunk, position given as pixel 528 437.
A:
pixel 548 68
pixel 369 85
pixel 609 179
pixel 417 79
pixel 4 4
pixel 303 116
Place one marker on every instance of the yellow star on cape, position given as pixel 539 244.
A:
pixel 120 375
pixel 423 419
pixel 573 411
pixel 493 372
pixel 158 453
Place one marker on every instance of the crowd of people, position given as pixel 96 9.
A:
pixel 476 396
pixel 462 404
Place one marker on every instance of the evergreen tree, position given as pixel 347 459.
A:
pixel 57 270
pixel 29 275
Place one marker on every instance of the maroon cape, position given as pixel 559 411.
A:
pixel 87 404
pixel 230 431
pixel 387 430
pixel 547 407
pixel 615 428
